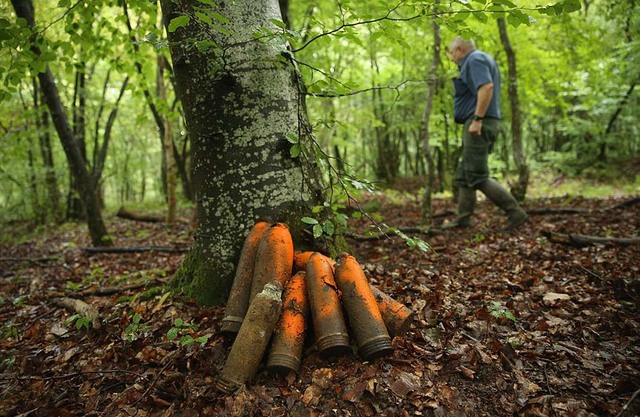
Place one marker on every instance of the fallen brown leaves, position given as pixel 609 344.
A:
pixel 505 325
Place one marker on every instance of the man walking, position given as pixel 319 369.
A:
pixel 476 105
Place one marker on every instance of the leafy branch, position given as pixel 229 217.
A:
pixel 343 26
pixel 561 7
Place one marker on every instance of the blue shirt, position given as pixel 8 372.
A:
pixel 476 69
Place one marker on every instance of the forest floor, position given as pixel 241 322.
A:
pixel 506 325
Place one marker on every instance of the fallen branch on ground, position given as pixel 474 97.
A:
pixel 32 260
pixel 584 240
pixel 80 307
pixel 136 249
pixel 116 290
pixel 568 210
pixel 129 215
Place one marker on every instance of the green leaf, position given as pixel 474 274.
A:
pixel 186 340
pixel 172 333
pixel 220 18
pixel 179 322
pixel 292 137
pixel 505 3
pixel 202 339
pixel 204 17
pixel 571 6
pixel 328 228
pixel 278 23
pixel 136 319
pixel 178 22
pixel 317 231
pixel 309 220
pixel 341 219
pixel 295 151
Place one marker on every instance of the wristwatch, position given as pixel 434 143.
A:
pixel 476 117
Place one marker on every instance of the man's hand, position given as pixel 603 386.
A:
pixel 475 128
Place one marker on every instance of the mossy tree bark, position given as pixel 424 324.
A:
pixel 242 99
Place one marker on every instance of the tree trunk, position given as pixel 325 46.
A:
pixel 44 139
pixel 167 142
pixel 519 190
pixel 387 161
pixel 97 228
pixel 239 108
pixel 427 215
pixel 74 202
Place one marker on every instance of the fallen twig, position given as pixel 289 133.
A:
pixel 584 240
pixel 169 360
pixel 115 290
pixel 569 210
pixel 6 376
pixel 629 403
pixel 31 260
pixel 136 249
pixel 389 234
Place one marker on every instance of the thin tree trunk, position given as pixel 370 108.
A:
pixel 74 201
pixel 157 116
pixel 620 107
pixel 44 139
pixel 167 141
pixel 100 150
pixel 519 190
pixel 97 229
pixel 427 214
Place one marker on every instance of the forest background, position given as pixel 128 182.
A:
pixel 367 68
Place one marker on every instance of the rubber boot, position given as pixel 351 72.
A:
pixel 466 205
pixel 503 199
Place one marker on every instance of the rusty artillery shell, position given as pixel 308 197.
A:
pixel 274 258
pixel 300 260
pixel 397 317
pixel 252 339
pixel 286 349
pixel 238 301
pixel 362 309
pixel 329 326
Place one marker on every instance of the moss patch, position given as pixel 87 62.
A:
pixel 205 280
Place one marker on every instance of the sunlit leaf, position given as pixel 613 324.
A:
pixel 178 22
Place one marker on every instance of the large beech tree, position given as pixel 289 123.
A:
pixel 243 105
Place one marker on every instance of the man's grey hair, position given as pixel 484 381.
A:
pixel 467 45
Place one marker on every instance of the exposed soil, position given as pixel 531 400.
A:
pixel 506 325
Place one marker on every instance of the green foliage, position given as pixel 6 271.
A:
pixel 9 331
pixel 20 300
pixel 79 321
pixel 178 22
pixel 499 311
pixel 182 332
pixel 364 66
pixel 135 329
pixel 7 363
